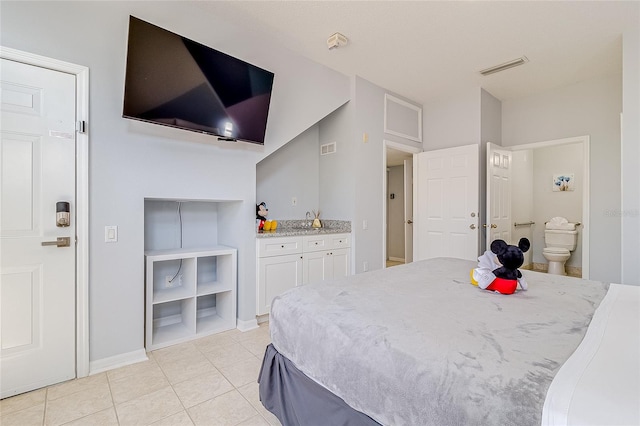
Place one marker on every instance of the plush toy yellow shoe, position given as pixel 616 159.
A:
pixel 473 280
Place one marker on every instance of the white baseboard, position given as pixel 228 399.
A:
pixel 262 319
pixel 247 325
pixel 117 361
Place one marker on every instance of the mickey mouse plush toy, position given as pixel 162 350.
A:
pixel 502 277
pixel 261 214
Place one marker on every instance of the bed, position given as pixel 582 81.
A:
pixel 418 345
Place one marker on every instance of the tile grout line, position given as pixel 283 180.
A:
pixel 245 342
pixel 174 391
pixel 234 386
pixel 113 402
pixel 46 399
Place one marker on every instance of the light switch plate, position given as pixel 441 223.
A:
pixel 111 234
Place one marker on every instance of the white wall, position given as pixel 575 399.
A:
pixel 291 171
pixel 130 161
pixel 171 224
pixel 630 207
pixel 587 108
pixel 336 184
pixel 454 121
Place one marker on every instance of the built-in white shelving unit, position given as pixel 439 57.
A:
pixel 190 293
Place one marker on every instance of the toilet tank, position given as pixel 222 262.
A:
pixel 561 239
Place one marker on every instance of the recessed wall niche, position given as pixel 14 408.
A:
pixel 170 224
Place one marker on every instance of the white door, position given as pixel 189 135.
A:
pixel 446 203
pixel 499 221
pixel 37 287
pixel 408 211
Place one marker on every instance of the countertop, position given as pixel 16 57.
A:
pixel 294 228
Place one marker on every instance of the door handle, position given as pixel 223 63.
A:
pixel 493 226
pixel 409 222
pixel 472 226
pixel 59 242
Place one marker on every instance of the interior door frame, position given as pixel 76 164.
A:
pixel 585 141
pixel 82 193
pixel 399 147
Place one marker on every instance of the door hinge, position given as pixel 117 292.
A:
pixel 81 126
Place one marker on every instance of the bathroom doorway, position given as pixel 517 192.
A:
pixel 535 197
pixel 398 205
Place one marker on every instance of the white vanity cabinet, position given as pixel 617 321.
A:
pixel 287 262
pixel 199 301
pixel 279 268
pixel 325 257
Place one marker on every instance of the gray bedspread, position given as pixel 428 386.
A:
pixel 419 345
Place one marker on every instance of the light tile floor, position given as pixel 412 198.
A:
pixel 391 263
pixel 208 381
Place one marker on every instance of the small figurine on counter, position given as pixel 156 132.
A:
pixel 261 214
pixel 316 221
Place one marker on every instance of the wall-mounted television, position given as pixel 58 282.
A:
pixel 173 81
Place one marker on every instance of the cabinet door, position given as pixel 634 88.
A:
pixel 340 263
pixel 276 275
pixel 317 267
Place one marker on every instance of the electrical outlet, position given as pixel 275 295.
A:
pixel 294 201
pixel 177 281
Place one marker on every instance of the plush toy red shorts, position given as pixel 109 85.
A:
pixel 503 286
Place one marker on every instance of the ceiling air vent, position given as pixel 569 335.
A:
pixel 516 62
pixel 328 148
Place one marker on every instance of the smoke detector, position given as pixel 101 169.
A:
pixel 336 40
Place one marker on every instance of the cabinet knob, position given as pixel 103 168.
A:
pixel 282 246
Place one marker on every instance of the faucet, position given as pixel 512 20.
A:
pixel 308 219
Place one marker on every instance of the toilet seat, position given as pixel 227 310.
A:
pixel 556 250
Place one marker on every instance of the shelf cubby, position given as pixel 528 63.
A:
pixel 200 300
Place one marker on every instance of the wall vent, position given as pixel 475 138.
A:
pixel 516 62
pixel 328 148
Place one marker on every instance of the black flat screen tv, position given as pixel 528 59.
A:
pixel 173 81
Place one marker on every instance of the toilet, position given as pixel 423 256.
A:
pixel 560 239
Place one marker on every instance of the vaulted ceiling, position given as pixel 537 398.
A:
pixel 425 50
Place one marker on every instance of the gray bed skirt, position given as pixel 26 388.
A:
pixel 295 399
